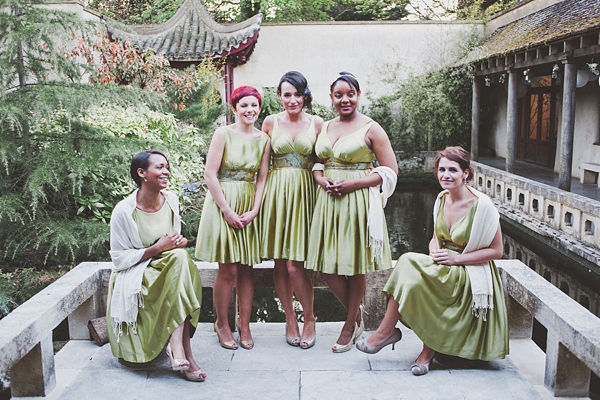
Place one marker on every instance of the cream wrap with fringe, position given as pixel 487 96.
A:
pixel 126 251
pixel 483 230
pixel 378 196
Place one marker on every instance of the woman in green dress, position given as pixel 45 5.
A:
pixel 452 298
pixel 228 234
pixel 345 244
pixel 155 289
pixel 288 204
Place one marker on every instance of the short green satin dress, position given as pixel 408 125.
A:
pixel 287 206
pixel 339 238
pixel 435 300
pixel 171 289
pixel 217 241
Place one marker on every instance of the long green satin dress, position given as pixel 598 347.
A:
pixel 171 289
pixel 339 238
pixel 217 241
pixel 435 300
pixel 287 206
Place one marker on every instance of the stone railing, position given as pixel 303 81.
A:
pixel 26 352
pixel 557 214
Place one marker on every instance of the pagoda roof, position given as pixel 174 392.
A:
pixel 191 35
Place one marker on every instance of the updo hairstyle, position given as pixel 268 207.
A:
pixel 459 156
pixel 347 77
pixel 142 160
pixel 298 81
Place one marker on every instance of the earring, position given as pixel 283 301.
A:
pixel 146 180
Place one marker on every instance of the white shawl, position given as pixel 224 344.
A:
pixel 377 201
pixel 483 230
pixel 126 250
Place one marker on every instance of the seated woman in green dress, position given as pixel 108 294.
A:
pixel 237 165
pixel 452 298
pixel 155 290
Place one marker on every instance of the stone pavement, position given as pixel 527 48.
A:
pixel 275 370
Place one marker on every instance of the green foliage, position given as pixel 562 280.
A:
pixel 18 286
pixel 137 11
pixel 30 38
pixel 429 112
pixel 481 9
pixel 271 104
pixel 326 113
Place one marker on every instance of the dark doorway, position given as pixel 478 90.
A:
pixel 539 127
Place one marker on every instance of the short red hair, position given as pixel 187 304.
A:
pixel 242 92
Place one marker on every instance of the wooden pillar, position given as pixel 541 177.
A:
pixel 475 116
pixel 568 126
pixel 512 122
pixel 228 78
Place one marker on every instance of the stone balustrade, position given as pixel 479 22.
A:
pixel 560 215
pixel 26 352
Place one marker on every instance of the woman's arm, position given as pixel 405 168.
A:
pixel 261 180
pixel 433 244
pixel 476 257
pixel 213 162
pixel 381 146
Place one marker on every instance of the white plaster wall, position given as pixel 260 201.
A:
pixel 373 52
pixel 587 126
pixel 494 125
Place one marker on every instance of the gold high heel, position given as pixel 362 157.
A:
pixel 195 376
pixel 307 344
pixel 246 344
pixel 342 348
pixel 361 325
pixel 291 340
pixel 227 345
pixel 177 364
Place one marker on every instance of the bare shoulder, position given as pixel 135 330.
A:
pixel 318 123
pixel 220 132
pixel 268 123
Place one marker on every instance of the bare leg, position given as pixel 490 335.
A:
pixel 221 295
pixel 337 284
pixel 304 292
pixel 387 326
pixel 176 342
pixel 426 355
pixel 283 287
pixel 187 346
pixel 245 288
pixel 355 290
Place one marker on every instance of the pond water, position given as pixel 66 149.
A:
pixel 410 225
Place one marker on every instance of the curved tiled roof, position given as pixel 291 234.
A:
pixel 191 34
pixel 553 23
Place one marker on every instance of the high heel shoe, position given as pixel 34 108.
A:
pixel 307 344
pixel 365 347
pixel 361 325
pixel 342 348
pixel 177 364
pixel 246 344
pixel 291 340
pixel 195 376
pixel 232 345
pixel 419 369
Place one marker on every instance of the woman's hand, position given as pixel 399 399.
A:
pixel 171 241
pixel 443 257
pixel 342 187
pixel 325 183
pixel 248 216
pixel 233 219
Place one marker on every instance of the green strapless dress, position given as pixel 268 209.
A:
pixel 435 300
pixel 171 288
pixel 217 241
pixel 287 206
pixel 339 238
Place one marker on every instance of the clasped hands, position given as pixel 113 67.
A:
pixel 336 189
pixel 441 256
pixel 171 241
pixel 239 221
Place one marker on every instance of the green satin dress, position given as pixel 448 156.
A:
pixel 287 206
pixel 171 288
pixel 339 238
pixel 217 241
pixel 435 300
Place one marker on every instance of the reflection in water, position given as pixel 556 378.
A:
pixel 410 227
